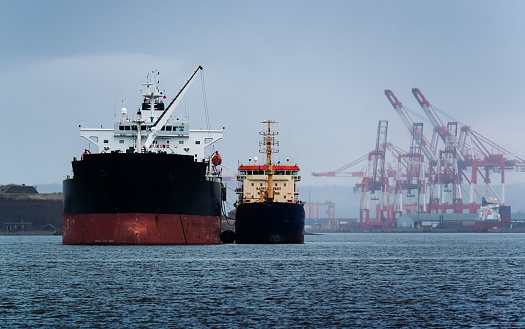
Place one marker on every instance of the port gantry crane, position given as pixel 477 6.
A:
pixel 448 175
pixel 484 156
pixel 419 145
pixel 375 185
pixel 410 174
pixel 312 210
pixel 470 151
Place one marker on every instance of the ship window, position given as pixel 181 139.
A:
pixel 260 184
pixel 121 128
pixel 242 172
pixel 121 141
pixel 168 128
pixel 284 184
pixel 275 184
pixel 163 128
pixel 181 142
pixel 134 128
pixel 197 142
pixel 294 173
pixel 181 128
pixel 252 184
pixel 106 141
pixel 127 128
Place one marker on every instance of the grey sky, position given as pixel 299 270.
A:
pixel 317 67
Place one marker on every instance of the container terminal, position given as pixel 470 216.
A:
pixel 444 181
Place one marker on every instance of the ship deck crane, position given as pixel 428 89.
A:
pixel 163 118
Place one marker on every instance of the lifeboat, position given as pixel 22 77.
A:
pixel 216 159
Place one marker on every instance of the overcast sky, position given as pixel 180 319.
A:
pixel 319 68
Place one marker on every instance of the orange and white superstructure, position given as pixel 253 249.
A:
pixel 268 209
pixel 255 181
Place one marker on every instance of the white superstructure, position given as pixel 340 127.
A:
pixel 153 128
pixel 489 210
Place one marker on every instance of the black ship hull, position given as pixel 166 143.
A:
pixel 132 198
pixel 269 222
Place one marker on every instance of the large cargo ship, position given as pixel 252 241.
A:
pixel 268 209
pixel 164 190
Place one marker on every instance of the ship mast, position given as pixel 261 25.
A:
pixel 268 141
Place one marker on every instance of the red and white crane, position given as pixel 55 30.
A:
pixel 429 153
pixel 375 185
pixel 448 175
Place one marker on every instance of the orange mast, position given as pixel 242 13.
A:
pixel 268 142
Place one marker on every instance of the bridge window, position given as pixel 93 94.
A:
pixel 168 128
pixel 121 141
pixel 106 141
pixel 197 142
pixel 181 142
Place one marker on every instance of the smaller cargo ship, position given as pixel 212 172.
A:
pixel 268 210
pixel 489 210
pixel 492 215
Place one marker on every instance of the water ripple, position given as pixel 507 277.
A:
pixel 332 281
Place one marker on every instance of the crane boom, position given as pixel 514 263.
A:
pixel 340 171
pixel 163 118
pixel 402 113
pixel 440 128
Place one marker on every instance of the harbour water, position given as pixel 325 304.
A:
pixel 330 281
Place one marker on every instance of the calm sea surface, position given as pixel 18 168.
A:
pixel 332 281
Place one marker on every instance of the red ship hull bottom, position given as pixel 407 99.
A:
pixel 140 229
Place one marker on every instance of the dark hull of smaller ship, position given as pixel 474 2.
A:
pixel 269 222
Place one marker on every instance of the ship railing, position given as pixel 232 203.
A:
pixel 214 178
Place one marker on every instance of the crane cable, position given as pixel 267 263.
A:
pixel 206 113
